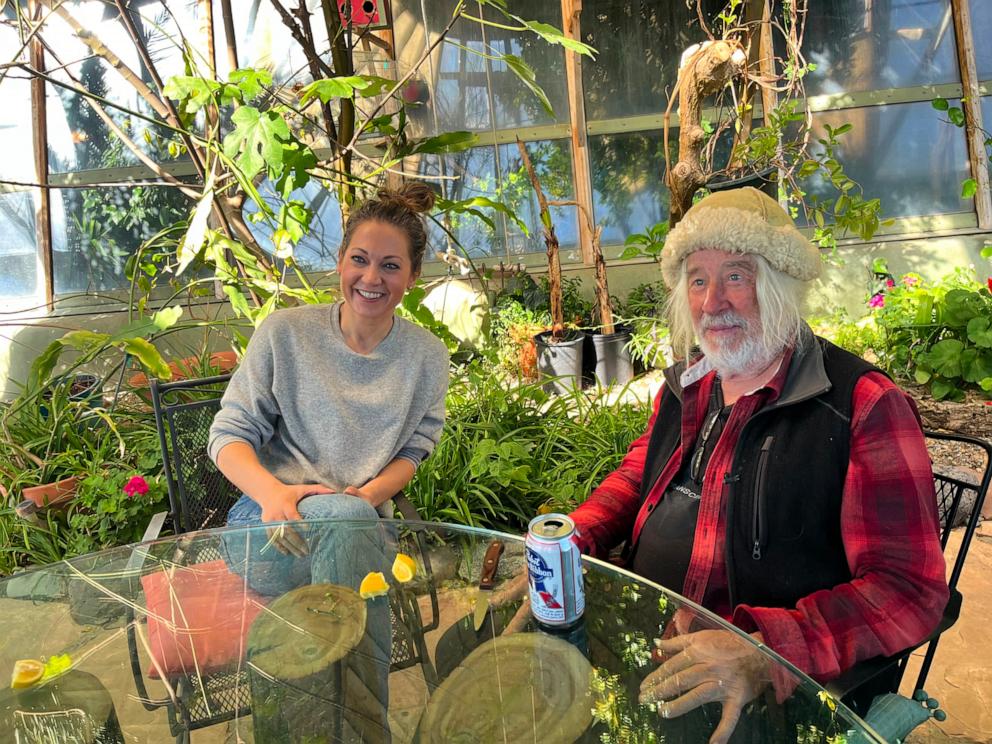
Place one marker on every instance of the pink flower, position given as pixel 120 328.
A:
pixel 890 282
pixel 877 300
pixel 136 486
pixel 910 281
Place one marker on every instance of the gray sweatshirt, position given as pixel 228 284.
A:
pixel 317 412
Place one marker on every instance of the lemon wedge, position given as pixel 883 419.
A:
pixel 404 568
pixel 373 585
pixel 26 673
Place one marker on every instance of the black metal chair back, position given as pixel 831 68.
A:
pixel 199 496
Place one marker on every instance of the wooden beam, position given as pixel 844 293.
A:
pixel 971 104
pixel 570 12
pixel 39 129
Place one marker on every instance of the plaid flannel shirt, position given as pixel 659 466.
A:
pixel 888 526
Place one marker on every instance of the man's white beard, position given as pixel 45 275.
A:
pixel 748 357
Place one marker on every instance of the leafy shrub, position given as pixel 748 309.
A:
pixel 506 453
pixel 940 334
pixel 644 314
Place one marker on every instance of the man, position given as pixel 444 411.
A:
pixel 782 482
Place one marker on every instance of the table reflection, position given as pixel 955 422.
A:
pixel 170 639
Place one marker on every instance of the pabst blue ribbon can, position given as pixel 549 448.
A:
pixel 554 568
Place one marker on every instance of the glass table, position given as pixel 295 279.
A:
pixel 250 634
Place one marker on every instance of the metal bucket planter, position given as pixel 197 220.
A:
pixel 560 363
pixel 613 363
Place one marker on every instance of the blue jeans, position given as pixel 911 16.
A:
pixel 339 556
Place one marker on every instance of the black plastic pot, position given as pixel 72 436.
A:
pixel 613 362
pixel 83 387
pixel 764 180
pixel 560 363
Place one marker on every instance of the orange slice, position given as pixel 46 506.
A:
pixel 373 585
pixel 404 568
pixel 26 673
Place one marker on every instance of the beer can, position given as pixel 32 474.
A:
pixel 554 569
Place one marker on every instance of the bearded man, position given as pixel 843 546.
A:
pixel 782 482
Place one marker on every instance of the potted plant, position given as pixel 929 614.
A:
pixel 559 350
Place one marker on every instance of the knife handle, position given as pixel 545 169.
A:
pixel 490 563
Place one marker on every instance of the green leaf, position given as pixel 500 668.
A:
pixel 553 36
pixel 447 142
pixel 44 363
pixel 523 71
pixel 956 116
pixel 945 357
pixel 196 91
pixel 975 365
pixel 631 251
pixel 335 87
pixel 922 375
pixel 472 206
pixel 979 332
pixel 968 188
pixel 257 140
pixel 843 129
pixel 940 104
pixel 196 234
pixel 251 81
pixel 148 356
pixel 167 317
pixel 941 389
pixel 987 251
pixel 960 306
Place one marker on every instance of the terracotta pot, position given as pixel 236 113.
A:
pixel 221 363
pixel 52 494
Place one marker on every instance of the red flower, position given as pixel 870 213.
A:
pixel 890 282
pixel 136 486
pixel 989 282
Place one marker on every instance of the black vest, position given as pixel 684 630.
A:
pixel 784 488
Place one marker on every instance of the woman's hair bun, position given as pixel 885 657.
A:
pixel 416 196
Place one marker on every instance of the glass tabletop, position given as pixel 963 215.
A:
pixel 359 631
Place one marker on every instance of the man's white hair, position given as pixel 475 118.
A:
pixel 780 300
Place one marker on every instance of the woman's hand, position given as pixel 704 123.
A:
pixel 704 667
pixel 281 505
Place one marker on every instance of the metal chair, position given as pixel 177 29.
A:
pixel 858 687
pixel 199 498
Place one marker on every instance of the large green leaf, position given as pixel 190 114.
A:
pixel 523 71
pixel 979 332
pixel 146 353
pixel 258 140
pixel 553 35
pixel 941 389
pixel 475 204
pixel 976 365
pixel 196 234
pixel 945 357
pixel 251 81
pixel 196 91
pixel 336 87
pixel 960 306
pixel 447 142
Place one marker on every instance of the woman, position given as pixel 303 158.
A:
pixel 329 415
pixel 333 407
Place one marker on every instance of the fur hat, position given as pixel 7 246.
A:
pixel 742 220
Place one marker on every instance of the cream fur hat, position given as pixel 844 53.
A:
pixel 742 220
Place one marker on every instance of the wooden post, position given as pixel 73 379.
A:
pixel 971 104
pixel 571 11
pixel 39 125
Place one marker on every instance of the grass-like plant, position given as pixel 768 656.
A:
pixel 508 453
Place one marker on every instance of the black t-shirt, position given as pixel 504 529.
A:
pixel 665 545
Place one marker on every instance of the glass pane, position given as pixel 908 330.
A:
pixel 16 130
pixel 552 161
pixel 861 45
pixel 78 138
pixel 18 254
pixel 317 251
pixel 469 174
pixel 638 47
pixel 95 230
pixel 629 193
pixel 468 91
pixel 904 155
pixel 981 24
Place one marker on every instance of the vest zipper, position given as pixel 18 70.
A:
pixel 758 515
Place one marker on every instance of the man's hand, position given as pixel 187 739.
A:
pixel 281 505
pixel 704 667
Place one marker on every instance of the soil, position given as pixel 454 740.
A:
pixel 972 416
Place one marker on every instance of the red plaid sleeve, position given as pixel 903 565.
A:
pixel 607 517
pixel 890 532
